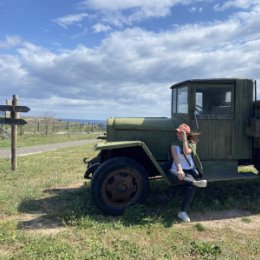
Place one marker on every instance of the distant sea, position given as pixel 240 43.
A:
pixel 85 121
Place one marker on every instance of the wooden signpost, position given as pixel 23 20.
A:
pixel 14 120
pixel 12 108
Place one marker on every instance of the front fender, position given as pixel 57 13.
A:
pixel 117 145
pixel 110 146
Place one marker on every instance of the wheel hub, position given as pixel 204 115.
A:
pixel 121 187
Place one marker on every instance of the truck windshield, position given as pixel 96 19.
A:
pixel 180 100
pixel 214 100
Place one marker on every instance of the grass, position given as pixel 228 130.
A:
pixel 246 220
pixel 47 213
pixel 38 139
pixel 199 227
pixel 56 132
pixel 247 168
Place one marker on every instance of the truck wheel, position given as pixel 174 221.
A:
pixel 118 183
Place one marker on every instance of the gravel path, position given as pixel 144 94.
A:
pixel 6 153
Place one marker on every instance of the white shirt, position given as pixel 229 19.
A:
pixel 183 162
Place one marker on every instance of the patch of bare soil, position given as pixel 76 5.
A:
pixel 76 185
pixel 41 224
pixel 4 253
pixel 36 223
pixel 239 220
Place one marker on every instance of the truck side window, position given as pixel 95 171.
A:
pixel 182 100
pixel 213 101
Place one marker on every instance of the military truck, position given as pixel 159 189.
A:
pixel 137 150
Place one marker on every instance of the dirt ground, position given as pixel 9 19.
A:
pixel 239 220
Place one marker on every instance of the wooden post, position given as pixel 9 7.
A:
pixel 14 110
pixel 14 135
pixel 46 129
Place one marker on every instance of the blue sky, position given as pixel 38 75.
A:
pixel 94 59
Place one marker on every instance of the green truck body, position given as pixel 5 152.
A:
pixel 136 150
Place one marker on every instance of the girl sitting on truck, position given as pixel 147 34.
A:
pixel 186 167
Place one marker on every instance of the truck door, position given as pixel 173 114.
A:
pixel 214 115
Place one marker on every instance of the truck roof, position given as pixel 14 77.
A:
pixel 210 80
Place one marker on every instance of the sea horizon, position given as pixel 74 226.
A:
pixel 85 121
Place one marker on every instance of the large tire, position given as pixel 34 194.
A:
pixel 118 183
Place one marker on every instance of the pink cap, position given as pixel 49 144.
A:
pixel 183 128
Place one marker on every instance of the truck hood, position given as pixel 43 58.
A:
pixel 142 123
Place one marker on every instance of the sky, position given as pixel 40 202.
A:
pixel 94 59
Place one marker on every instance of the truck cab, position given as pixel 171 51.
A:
pixel 137 150
pixel 220 109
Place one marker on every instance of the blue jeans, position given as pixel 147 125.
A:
pixel 189 189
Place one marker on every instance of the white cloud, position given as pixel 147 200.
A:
pixel 99 27
pixel 12 73
pixel 195 9
pixel 243 4
pixel 121 5
pixel 128 4
pixel 131 71
pixel 10 42
pixel 119 13
pixel 71 19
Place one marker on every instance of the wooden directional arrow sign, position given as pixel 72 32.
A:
pixel 12 121
pixel 14 108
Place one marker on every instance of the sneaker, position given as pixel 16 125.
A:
pixel 200 184
pixel 184 216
